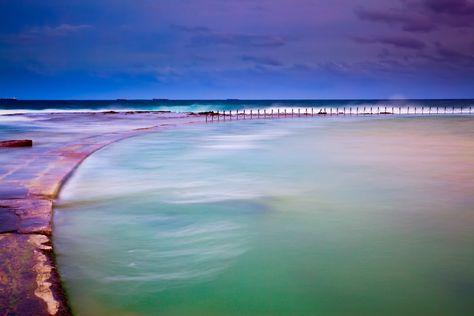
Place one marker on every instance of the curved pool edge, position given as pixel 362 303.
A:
pixel 31 282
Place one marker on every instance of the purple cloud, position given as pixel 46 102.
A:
pixel 452 7
pixel 266 61
pixel 453 56
pixel 426 16
pixel 204 36
pixel 453 13
pixel 60 30
pixel 242 40
pixel 408 22
pixel 396 41
pixel 47 33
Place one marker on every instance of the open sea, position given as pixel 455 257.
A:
pixel 8 106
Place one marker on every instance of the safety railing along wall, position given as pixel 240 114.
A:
pixel 330 111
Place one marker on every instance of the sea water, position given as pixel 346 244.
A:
pixel 333 216
pixel 10 106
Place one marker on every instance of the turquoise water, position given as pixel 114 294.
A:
pixel 334 216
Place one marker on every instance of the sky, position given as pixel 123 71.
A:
pixel 247 49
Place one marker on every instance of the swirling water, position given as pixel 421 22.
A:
pixel 334 216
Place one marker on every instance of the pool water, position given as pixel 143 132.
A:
pixel 332 216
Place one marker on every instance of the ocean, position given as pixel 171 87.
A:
pixel 10 106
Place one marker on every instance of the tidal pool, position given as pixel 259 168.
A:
pixel 333 216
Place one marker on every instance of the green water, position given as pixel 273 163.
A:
pixel 331 216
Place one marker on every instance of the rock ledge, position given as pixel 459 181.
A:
pixel 16 143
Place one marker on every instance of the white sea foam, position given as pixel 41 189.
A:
pixel 15 118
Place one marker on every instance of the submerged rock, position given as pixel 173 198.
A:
pixel 16 143
pixel 207 113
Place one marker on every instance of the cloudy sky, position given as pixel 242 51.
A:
pixel 70 49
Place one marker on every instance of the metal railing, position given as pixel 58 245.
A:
pixel 332 111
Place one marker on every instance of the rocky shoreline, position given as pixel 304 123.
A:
pixel 30 283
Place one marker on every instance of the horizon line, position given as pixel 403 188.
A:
pixel 237 99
